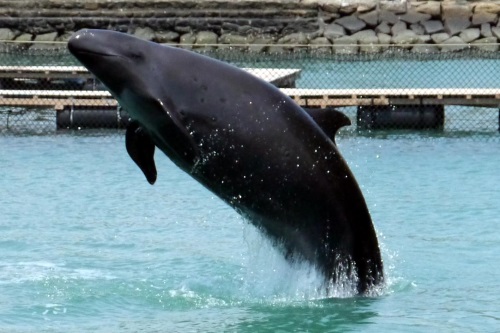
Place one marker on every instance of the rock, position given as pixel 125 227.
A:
pixel 398 28
pixel 455 43
pixel 432 8
pixel 387 16
pixel 383 28
pixel 45 41
pixel 423 39
pixel 167 36
pixel 486 30
pixel 248 30
pixel 469 35
pixel 371 47
pixel 425 49
pixel 455 25
pixel 487 7
pixel 331 6
pixel 405 38
pixel 440 37
pixel 6 34
pixel 488 44
pixel 49 37
pixel 456 17
pixel 206 38
pixel 187 40
pixel 370 18
pixel 417 28
pixel 366 5
pixel 479 18
pixel 65 36
pixel 145 33
pixel 384 39
pixel 183 28
pixel 412 16
pixel 368 41
pixel 235 39
pixel 333 31
pixel 397 7
pixel 326 17
pixel 297 38
pixel 260 44
pixel 348 7
pixel 24 38
pixel 432 26
pixel 455 9
pixel 364 35
pixel 496 31
pixel 91 5
pixel 351 23
pixel 321 45
pixel 345 45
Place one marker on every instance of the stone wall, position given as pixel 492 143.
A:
pixel 340 26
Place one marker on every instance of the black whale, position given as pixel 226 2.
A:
pixel 247 142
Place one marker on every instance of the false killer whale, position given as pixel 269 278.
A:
pixel 247 142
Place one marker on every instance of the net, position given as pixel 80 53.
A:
pixel 388 91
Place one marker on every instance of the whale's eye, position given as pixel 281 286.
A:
pixel 135 55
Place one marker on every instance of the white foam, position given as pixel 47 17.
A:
pixel 32 271
pixel 268 276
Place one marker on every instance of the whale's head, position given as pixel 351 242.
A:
pixel 135 71
pixel 124 64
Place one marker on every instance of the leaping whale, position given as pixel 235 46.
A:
pixel 247 142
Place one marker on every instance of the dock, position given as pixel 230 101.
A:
pixel 320 98
pixel 284 78
pixel 40 86
pixel 12 75
pixel 72 89
pixel 324 98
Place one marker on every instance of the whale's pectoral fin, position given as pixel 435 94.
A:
pixel 141 149
pixel 329 120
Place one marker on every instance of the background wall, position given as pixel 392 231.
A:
pixel 339 26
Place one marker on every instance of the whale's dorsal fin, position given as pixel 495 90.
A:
pixel 329 120
pixel 141 149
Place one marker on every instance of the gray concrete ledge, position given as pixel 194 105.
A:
pixel 336 26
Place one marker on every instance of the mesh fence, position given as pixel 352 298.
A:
pixel 390 92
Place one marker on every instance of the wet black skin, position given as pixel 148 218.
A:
pixel 245 141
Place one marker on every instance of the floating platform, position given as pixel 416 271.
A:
pixel 377 108
pixel 321 98
pixel 52 77
pixel 416 96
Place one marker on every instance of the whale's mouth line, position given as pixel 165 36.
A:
pixel 101 54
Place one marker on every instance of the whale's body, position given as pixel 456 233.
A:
pixel 244 140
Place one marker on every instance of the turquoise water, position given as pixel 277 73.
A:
pixel 88 245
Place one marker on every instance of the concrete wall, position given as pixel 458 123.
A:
pixel 339 26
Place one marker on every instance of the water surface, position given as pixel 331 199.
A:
pixel 88 245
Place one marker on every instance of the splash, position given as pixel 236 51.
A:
pixel 267 276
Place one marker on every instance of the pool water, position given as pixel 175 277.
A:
pixel 88 245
